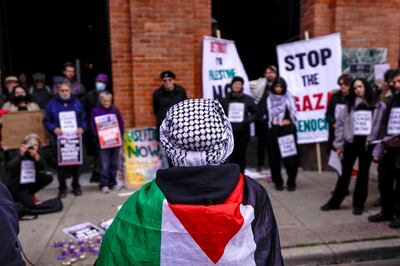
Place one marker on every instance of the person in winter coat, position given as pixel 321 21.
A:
pixel 259 90
pixel 77 89
pixel 388 154
pixel 281 121
pixel 10 252
pixel 39 92
pixel 109 154
pixel 20 101
pixel 166 96
pixel 25 171
pixel 241 110
pixel 337 102
pixel 90 101
pixel 199 212
pixel 357 127
pixel 63 105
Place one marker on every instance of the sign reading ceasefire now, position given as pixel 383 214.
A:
pixel 311 69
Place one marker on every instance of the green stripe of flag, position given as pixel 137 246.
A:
pixel 134 237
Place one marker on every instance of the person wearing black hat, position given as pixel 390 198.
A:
pixel 166 96
pixel 40 93
pixel 241 111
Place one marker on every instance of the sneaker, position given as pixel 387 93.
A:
pixel 379 217
pixel 77 191
pixel 329 207
pixel 105 189
pixel 395 224
pixel 358 211
pixel 62 193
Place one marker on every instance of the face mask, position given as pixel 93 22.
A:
pixel 100 86
pixel 19 99
pixel 65 98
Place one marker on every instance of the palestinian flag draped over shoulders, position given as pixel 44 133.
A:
pixel 209 215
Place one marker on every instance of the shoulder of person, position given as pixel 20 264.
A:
pixel 179 88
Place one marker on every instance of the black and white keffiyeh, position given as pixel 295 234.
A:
pixel 197 133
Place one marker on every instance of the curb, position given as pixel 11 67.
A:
pixel 337 253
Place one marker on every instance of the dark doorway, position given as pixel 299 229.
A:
pixel 257 27
pixel 40 36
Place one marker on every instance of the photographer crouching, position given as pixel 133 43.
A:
pixel 25 171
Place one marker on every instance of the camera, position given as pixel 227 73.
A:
pixel 29 147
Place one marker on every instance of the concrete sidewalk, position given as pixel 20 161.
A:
pixel 308 235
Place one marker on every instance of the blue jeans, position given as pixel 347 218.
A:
pixel 109 165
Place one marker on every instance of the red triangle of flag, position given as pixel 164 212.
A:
pixel 213 226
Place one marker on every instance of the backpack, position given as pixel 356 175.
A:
pixel 47 206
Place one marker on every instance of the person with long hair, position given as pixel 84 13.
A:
pixel 20 101
pixel 281 122
pixel 357 126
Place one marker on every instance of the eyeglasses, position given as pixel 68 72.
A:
pixel 167 80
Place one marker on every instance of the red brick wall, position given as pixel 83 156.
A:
pixel 362 23
pixel 148 37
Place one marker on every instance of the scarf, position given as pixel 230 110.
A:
pixel 196 133
pixel 276 107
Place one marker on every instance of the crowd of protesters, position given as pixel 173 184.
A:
pixel 269 105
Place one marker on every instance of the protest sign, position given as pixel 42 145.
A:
pixel 17 125
pixel 287 146
pixel 83 231
pixel 393 127
pixel 362 123
pixel 69 149
pixel 28 172
pixel 68 122
pixel 311 69
pixel 221 62
pixel 142 156
pixel 108 131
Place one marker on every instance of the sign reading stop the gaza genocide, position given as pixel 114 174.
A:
pixel 311 69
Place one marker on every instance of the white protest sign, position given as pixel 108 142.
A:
pixel 69 150
pixel 83 231
pixel 236 112
pixel 393 127
pixel 335 162
pixel 221 62
pixel 287 146
pixel 311 69
pixel 362 123
pixel 108 131
pixel 68 122
pixel 28 172
pixel 379 71
pixel 338 109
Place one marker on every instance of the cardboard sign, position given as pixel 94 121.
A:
pixel 17 125
pixel 362 121
pixel 28 172
pixel 338 109
pixel 394 122
pixel 68 122
pixel 69 150
pixel 83 231
pixel 142 156
pixel 236 112
pixel 287 146
pixel 108 131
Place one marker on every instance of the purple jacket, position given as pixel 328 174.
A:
pixel 99 111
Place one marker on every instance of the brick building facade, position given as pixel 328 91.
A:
pixel 150 36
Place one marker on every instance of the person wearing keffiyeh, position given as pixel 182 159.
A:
pixel 281 121
pixel 199 212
